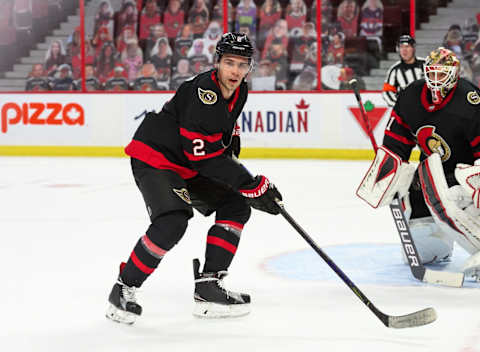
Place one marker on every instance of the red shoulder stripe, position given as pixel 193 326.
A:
pixel 475 141
pixel 399 120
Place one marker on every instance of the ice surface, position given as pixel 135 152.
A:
pixel 66 223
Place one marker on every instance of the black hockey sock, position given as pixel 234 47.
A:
pixel 222 243
pixel 143 261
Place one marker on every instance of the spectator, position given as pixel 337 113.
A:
pixel 106 62
pixel 300 45
pixel 210 38
pixel 76 61
pixel 132 59
pixel 264 77
pixel 73 44
pixel 198 18
pixel 156 32
pixel 91 82
pixel 197 58
pixel 37 79
pixel 475 63
pixel 311 57
pixel 149 17
pixel 453 40
pixel 146 81
pixel 100 39
pixel 269 15
pixel 371 24
pixel 277 55
pixel 247 17
pixel 346 75
pixel 217 15
pixel 296 14
pixel 54 57
pixel 173 19
pixel 63 80
pixel 278 33
pixel 336 50
pixel 183 43
pixel 327 13
pixel 127 16
pixel 117 82
pixel 104 18
pixel 127 36
pixel 161 58
pixel 182 73
pixel 347 16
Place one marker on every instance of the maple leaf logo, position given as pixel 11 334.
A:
pixel 302 105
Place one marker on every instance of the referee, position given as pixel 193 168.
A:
pixel 403 72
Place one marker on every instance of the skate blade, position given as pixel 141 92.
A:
pixel 120 316
pixel 213 310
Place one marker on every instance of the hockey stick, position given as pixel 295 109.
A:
pixel 418 270
pixel 419 318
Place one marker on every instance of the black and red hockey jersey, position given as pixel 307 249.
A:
pixel 193 130
pixel 451 129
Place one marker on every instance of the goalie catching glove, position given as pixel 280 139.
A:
pixel 387 176
pixel 262 195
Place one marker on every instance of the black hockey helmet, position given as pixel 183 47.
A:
pixel 236 44
pixel 406 39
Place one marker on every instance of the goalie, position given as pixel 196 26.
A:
pixel 441 198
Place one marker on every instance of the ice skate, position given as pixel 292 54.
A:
pixel 212 300
pixel 123 307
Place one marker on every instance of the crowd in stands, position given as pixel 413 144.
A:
pixel 152 45
pixel 464 41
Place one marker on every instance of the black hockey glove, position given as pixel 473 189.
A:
pixel 261 195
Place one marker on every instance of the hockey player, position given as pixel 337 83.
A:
pixel 441 115
pixel 403 72
pixel 181 159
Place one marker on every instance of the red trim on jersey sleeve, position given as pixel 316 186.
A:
pixel 476 155
pixel 399 138
pixel 195 135
pixel 399 120
pixel 475 142
pixel 217 241
pixel 203 157
pixel 150 156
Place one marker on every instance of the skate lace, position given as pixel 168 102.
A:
pixel 129 293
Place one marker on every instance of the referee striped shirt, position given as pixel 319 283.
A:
pixel 399 76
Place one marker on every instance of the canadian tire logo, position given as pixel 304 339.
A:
pixel 374 115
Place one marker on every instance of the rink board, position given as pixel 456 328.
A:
pixel 273 125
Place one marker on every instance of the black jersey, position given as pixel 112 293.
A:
pixel 193 130
pixel 451 129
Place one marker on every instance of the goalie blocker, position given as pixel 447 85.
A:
pixel 388 175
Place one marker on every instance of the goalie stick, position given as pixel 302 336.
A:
pixel 419 318
pixel 418 269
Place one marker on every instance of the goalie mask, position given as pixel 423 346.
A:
pixel 441 73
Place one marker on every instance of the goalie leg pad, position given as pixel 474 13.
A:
pixel 456 223
pixel 386 176
pixel 432 245
pixel 472 266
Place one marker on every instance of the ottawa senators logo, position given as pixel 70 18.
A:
pixel 183 194
pixel 430 143
pixel 207 96
pixel 473 98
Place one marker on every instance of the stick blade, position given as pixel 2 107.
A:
pixel 420 318
pixel 444 278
